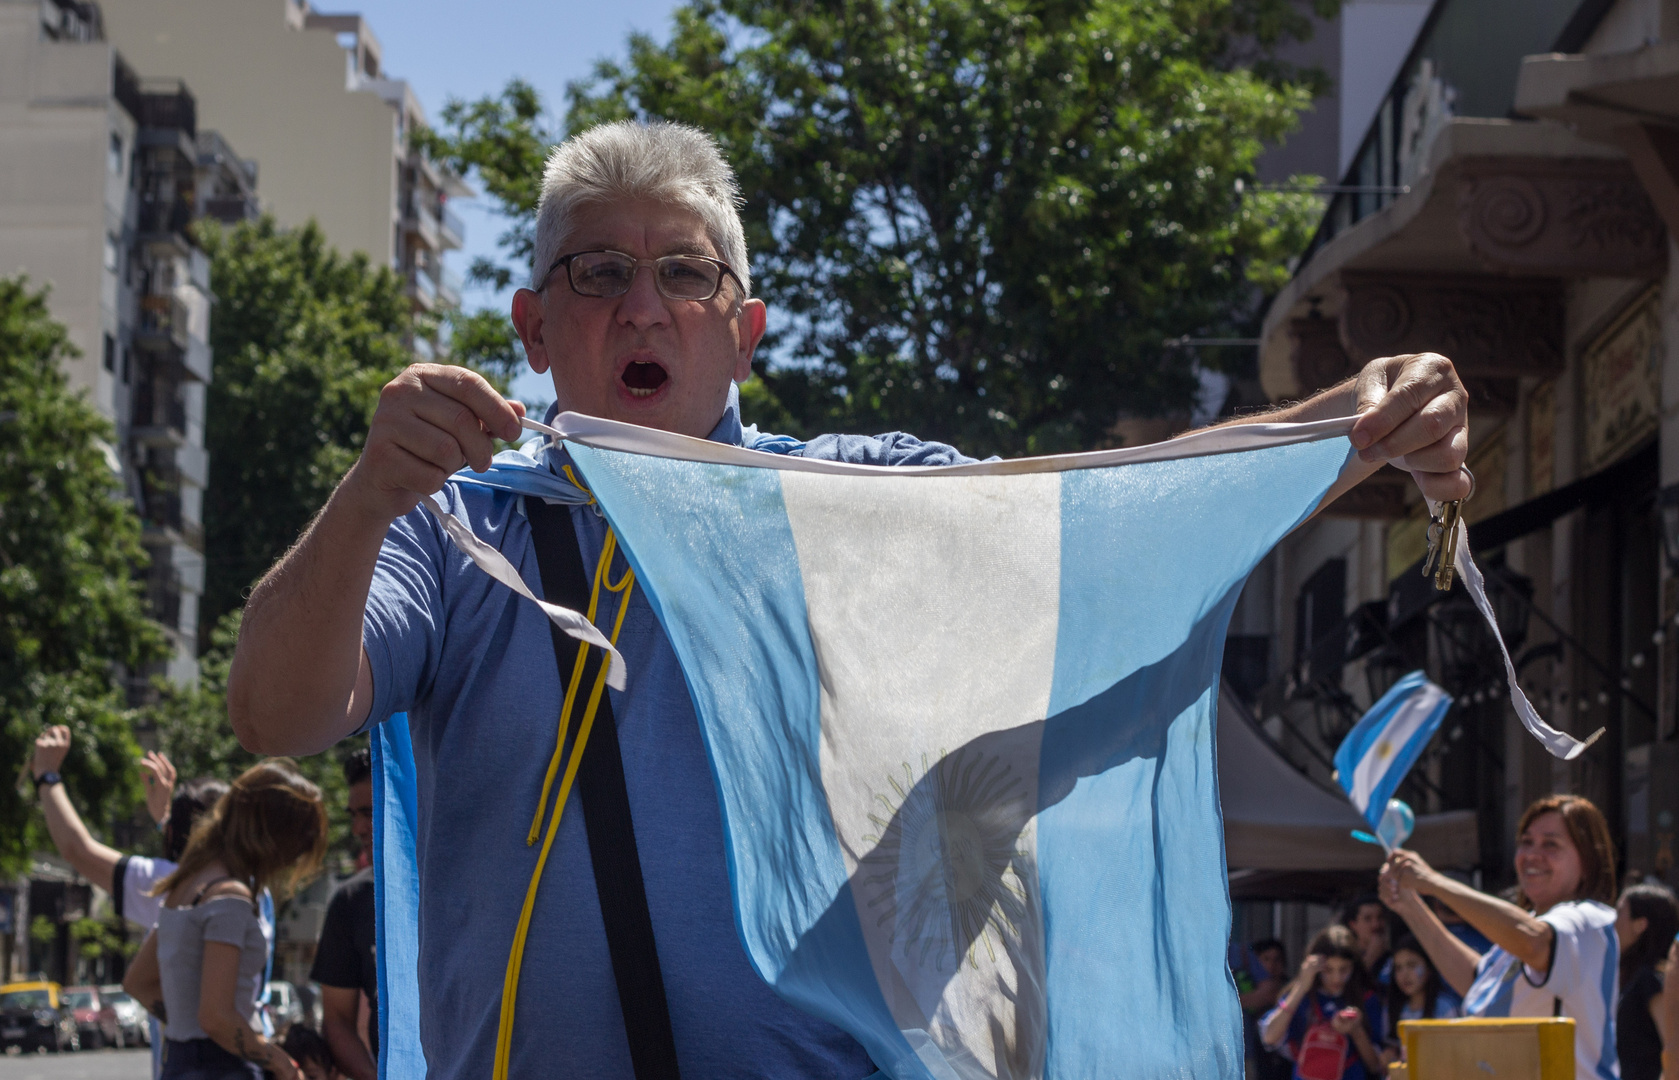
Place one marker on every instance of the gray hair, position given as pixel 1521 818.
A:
pixel 669 163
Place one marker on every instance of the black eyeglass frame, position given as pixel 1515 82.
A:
pixel 565 261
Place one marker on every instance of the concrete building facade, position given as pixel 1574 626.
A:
pixel 105 173
pixel 307 95
pixel 1512 204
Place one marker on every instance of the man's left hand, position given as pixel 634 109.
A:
pixel 1413 412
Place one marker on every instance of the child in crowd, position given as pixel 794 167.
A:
pixel 1416 993
pixel 1327 1018
pixel 306 1046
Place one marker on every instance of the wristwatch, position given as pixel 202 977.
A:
pixel 48 777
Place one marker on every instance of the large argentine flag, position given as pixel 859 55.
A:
pixel 1386 742
pixel 960 721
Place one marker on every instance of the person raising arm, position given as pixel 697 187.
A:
pixel 1554 951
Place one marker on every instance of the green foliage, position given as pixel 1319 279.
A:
pixel 974 219
pixel 42 930
pixel 72 615
pixel 193 731
pixel 303 338
pixel 96 937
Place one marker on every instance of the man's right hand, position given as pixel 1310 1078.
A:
pixel 432 420
pixel 50 748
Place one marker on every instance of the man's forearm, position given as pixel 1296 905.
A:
pixel 294 672
pixel 347 1048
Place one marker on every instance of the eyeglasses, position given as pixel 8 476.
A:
pixel 611 273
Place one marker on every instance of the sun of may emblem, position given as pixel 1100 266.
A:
pixel 945 871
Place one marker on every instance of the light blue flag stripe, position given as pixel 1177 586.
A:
pixel 1130 859
pixel 396 890
pixel 1379 751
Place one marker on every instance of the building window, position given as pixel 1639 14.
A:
pixel 111 260
pixel 114 158
pixel 110 353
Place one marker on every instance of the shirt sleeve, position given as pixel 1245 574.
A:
pixel 138 878
pixel 402 625
pixel 1578 952
pixel 228 920
pixel 336 963
pixel 892 448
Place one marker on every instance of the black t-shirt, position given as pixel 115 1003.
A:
pixel 345 956
pixel 1636 1038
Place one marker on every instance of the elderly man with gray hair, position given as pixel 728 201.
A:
pixel 622 937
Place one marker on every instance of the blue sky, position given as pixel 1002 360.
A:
pixel 445 51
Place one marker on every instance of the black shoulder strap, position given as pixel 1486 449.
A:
pixel 606 813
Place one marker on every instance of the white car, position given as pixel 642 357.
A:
pixel 131 1016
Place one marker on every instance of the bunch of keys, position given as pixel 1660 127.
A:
pixel 1441 560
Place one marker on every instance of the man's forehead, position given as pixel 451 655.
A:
pixel 640 227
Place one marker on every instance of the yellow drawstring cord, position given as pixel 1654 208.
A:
pixel 510 983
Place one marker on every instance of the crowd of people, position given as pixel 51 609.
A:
pixel 207 907
pixel 1429 946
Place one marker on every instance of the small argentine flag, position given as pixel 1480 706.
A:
pixel 1386 742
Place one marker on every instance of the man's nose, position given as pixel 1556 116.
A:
pixel 642 306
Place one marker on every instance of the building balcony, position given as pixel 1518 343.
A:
pixel 164 224
pixel 231 209
pixel 421 223
pixel 449 287
pixel 453 233
pixel 164 523
pixel 421 290
pixel 163 324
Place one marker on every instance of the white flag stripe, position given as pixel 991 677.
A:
pixel 1409 718
pixel 933 612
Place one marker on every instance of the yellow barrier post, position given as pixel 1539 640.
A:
pixel 1481 1049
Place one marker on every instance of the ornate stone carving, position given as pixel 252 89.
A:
pixel 1319 358
pixel 1490 327
pixel 1567 217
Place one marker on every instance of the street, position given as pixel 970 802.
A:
pixel 134 1064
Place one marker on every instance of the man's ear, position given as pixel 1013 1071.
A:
pixel 752 320
pixel 528 323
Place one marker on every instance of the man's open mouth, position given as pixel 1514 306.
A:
pixel 642 378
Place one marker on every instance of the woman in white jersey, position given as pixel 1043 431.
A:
pixel 1554 951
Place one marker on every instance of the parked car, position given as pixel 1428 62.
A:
pixel 33 1016
pixel 131 1016
pixel 96 1018
pixel 285 1006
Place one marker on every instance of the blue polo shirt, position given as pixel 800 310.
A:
pixel 473 666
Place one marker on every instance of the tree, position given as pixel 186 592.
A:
pixel 192 729
pixel 303 339
pixel 73 621
pixel 977 219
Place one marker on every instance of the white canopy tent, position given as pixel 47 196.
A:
pixel 1276 819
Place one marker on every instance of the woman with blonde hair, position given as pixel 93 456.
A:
pixel 201 970
pixel 1554 951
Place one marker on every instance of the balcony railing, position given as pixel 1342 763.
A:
pixel 164 322
pixel 454 229
pixel 167 103
pixel 449 289
pixel 1464 63
pixel 231 209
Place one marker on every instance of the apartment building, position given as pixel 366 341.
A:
pixel 307 95
pixel 1512 203
pixel 106 172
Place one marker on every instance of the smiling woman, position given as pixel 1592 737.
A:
pixel 1554 951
